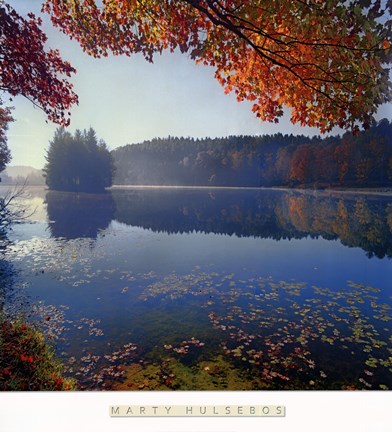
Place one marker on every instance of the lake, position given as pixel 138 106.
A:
pixel 207 289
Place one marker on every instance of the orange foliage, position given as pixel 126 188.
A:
pixel 27 68
pixel 327 61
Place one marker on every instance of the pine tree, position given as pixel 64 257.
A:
pixel 78 163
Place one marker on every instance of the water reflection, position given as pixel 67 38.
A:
pixel 357 220
pixel 13 299
pixel 6 275
pixel 143 310
pixel 78 215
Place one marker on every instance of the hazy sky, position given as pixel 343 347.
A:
pixel 128 100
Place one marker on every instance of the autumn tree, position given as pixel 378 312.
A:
pixel 27 68
pixel 343 156
pixel 327 61
pixel 324 165
pixel 301 163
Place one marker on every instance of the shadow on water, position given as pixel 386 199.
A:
pixel 78 215
pixel 357 221
pixel 13 300
pixel 6 282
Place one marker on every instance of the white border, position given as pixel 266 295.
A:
pixel 321 411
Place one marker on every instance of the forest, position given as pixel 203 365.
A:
pixel 352 160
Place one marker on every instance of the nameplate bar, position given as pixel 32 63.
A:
pixel 197 411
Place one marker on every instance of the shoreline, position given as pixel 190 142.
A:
pixel 325 191
pixel 377 191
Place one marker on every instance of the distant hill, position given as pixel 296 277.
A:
pixel 17 175
pixel 362 160
pixel 20 171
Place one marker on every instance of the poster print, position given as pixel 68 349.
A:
pixel 229 254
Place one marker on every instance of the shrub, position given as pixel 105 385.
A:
pixel 27 362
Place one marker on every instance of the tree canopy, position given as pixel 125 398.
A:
pixel 27 68
pixel 78 163
pixel 328 61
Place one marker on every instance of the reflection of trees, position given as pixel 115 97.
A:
pixel 179 211
pixel 74 215
pixel 356 221
pixel 389 216
pixel 6 283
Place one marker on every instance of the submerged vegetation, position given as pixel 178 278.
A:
pixel 278 335
pixel 253 334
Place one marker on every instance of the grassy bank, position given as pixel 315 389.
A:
pixel 27 362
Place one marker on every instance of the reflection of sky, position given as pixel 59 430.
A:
pixel 127 100
pixel 318 261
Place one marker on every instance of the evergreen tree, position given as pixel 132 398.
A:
pixel 78 163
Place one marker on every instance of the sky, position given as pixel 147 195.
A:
pixel 128 100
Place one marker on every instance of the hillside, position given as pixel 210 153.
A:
pixel 364 160
pixel 17 174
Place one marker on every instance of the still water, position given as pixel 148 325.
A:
pixel 203 289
